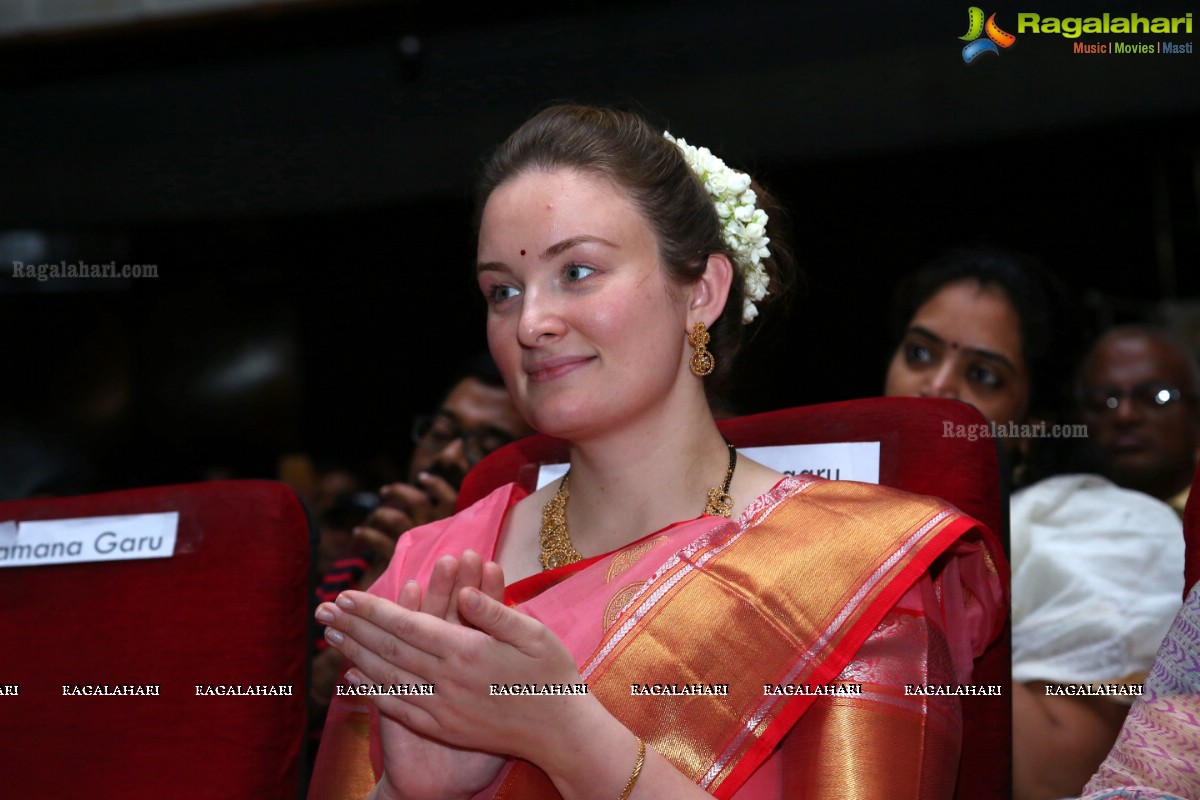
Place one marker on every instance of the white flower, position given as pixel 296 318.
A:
pixel 743 224
pixel 749 312
pixel 716 184
pixel 756 283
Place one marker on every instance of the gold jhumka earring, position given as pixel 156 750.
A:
pixel 702 361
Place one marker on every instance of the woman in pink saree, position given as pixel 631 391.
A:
pixel 669 619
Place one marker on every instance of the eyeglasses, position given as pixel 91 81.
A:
pixel 1149 396
pixel 435 432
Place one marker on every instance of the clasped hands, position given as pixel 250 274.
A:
pixel 459 636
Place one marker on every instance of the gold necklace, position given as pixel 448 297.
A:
pixel 557 550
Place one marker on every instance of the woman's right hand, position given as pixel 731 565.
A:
pixel 417 767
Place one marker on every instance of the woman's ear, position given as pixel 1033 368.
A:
pixel 711 290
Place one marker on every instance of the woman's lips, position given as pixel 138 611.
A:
pixel 554 368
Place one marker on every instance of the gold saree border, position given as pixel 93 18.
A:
pixel 343 768
pixel 883 724
pixel 796 589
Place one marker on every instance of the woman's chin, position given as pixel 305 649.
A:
pixel 563 423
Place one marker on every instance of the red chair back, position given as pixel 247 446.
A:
pixel 920 452
pixel 230 607
pixel 1191 537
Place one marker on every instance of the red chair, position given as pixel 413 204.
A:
pixel 1191 537
pixel 915 455
pixel 230 607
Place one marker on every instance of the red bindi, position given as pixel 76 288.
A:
pixel 522 252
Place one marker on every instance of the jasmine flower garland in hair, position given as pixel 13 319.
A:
pixel 743 224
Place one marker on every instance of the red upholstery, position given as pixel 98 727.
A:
pixel 230 607
pixel 1191 537
pixel 916 456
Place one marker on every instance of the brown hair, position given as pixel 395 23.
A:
pixel 625 149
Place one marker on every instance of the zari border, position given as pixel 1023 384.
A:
pixel 836 560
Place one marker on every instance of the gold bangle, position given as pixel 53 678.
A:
pixel 637 769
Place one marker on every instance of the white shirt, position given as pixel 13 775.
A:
pixel 1097 580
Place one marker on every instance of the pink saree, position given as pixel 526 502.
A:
pixel 819 584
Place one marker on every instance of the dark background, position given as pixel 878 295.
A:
pixel 301 178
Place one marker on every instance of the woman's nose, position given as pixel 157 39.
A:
pixel 541 319
pixel 945 381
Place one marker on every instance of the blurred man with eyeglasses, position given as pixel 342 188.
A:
pixel 475 418
pixel 1139 393
pixel 1097 557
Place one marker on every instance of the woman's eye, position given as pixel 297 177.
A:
pixel 577 272
pixel 984 376
pixel 498 294
pixel 916 353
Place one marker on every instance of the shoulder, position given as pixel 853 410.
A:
pixel 884 519
pixel 903 539
pixel 867 511
pixel 856 498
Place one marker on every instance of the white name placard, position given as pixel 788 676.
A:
pixel 844 461
pixel 837 461
pixel 66 541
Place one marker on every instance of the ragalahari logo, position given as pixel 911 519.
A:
pixel 976 27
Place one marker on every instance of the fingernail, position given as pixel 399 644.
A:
pixel 334 635
pixel 424 477
pixel 325 615
pixel 355 677
pixel 345 602
pixel 473 599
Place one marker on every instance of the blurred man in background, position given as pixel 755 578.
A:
pixel 1140 397
pixel 475 417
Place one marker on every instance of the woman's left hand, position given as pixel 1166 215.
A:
pixel 390 644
